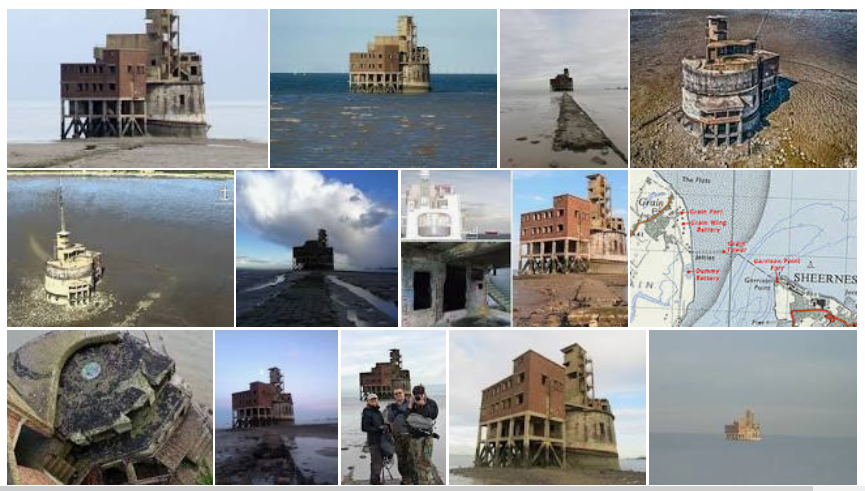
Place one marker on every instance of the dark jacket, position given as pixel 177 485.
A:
pixel 396 414
pixel 429 410
pixel 372 423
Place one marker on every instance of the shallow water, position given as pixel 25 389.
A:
pixel 709 459
pixel 316 122
pixel 190 350
pixel 40 121
pixel 167 246
pixel 382 305
pixel 533 115
pixel 316 457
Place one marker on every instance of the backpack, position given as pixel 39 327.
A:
pixel 418 424
pixel 388 445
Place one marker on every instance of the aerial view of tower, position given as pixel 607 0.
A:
pixel 432 211
pixel 72 274
pixel 138 84
pixel 722 93
pixel 391 64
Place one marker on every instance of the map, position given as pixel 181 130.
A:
pixel 742 248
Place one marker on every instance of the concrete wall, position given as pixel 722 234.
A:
pixel 437 269
pixel 176 102
pixel 590 431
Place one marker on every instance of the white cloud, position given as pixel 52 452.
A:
pixel 287 207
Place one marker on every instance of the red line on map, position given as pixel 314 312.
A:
pixel 829 316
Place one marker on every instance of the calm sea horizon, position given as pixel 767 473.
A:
pixel 778 459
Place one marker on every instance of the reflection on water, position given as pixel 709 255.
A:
pixel 192 352
pixel 382 305
pixel 710 459
pixel 167 245
pixel 316 457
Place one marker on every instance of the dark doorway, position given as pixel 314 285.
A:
pixel 455 288
pixel 422 290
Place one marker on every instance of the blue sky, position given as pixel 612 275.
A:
pixel 479 359
pixel 796 382
pixel 309 361
pixel 233 44
pixel 319 41
pixel 279 209
pixel 534 190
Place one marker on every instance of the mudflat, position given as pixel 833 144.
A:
pixel 144 152
pixel 281 454
pixel 545 476
pixel 809 122
pixel 575 300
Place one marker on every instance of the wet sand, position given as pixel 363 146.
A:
pixel 572 300
pixel 316 299
pixel 144 152
pixel 282 454
pixel 812 122
pixel 545 476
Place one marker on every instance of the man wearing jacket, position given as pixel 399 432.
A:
pixel 372 423
pixel 396 413
pixel 422 443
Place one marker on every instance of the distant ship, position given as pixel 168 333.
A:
pixel 744 429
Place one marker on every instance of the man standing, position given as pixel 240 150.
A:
pixel 422 439
pixel 372 423
pixel 396 413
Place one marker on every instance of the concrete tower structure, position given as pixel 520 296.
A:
pixel 72 274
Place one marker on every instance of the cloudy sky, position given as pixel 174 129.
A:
pixel 485 195
pixel 235 65
pixel 534 190
pixel 479 359
pixel 308 360
pixel 319 41
pixel 796 382
pixel 537 44
pixel 423 352
pixel 280 209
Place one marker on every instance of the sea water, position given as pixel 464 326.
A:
pixel 710 459
pixel 316 122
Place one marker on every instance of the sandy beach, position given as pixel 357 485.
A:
pixel 137 153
